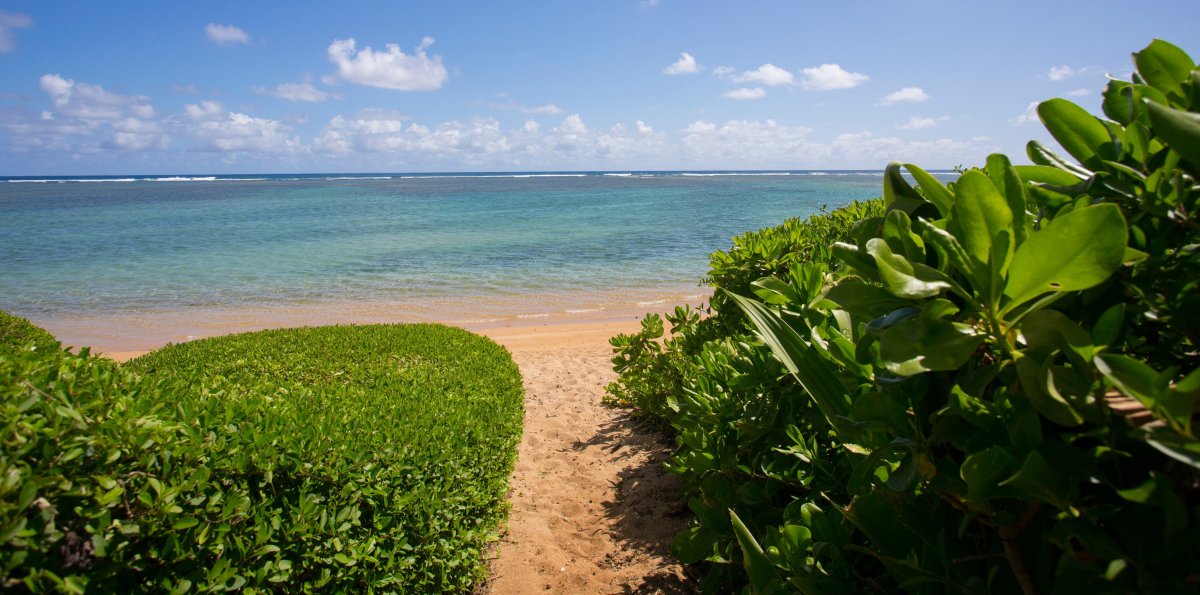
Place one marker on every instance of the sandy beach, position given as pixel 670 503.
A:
pixel 593 510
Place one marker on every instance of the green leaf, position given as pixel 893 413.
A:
pixel 1046 174
pixel 185 523
pixel 937 194
pixel 763 576
pixel 923 344
pixel 980 213
pixel 897 194
pixel 693 544
pixel 1039 481
pixel 898 274
pixel 1164 67
pixel 1039 154
pixel 984 470
pixel 1074 251
pixel 1004 177
pixel 854 295
pixel 1132 377
pixel 1080 133
pixel 804 362
pixel 774 291
pixel 1050 403
pixel 1180 130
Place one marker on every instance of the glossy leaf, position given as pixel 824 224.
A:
pixel 1180 130
pixel 938 194
pixel 897 193
pixel 1046 174
pixel 805 363
pixel 1074 251
pixel 899 275
pixel 922 345
pixel 763 576
pixel 1080 133
pixel 1164 66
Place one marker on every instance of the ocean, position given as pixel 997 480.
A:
pixel 134 262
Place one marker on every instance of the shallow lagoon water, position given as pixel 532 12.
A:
pixel 435 247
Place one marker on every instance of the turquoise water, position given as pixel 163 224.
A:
pixel 137 245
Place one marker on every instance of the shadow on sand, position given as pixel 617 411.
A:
pixel 648 509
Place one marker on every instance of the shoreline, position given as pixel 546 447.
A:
pixel 536 322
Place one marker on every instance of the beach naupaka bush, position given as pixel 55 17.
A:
pixel 990 387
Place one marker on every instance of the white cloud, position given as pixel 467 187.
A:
pixel 392 69
pixel 83 118
pixel 1030 115
pixel 548 109
pixel 215 129
pixel 685 65
pixel 917 123
pixel 829 77
pixel 301 92
pixel 1064 72
pixel 723 71
pixel 8 22
pixel 747 93
pixel 226 35
pixel 92 102
pixel 905 95
pixel 573 125
pixel 1058 73
pixel 138 135
pixel 1079 93
pixel 700 127
pixel 767 74
pixel 642 128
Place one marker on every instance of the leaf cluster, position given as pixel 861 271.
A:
pixel 989 386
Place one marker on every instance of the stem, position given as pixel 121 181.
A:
pixel 1010 535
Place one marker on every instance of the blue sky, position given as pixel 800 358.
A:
pixel 130 87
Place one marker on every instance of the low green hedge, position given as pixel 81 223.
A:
pixel 332 459
pixel 16 332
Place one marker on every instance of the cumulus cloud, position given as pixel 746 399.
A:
pixel 226 35
pixel 917 122
pixel 1030 116
pixel 747 93
pixel 215 129
pixel 391 69
pixel 300 92
pixel 548 109
pixel 905 95
pixel 767 74
pixel 1079 93
pixel 9 21
pixel 92 102
pixel 84 118
pixel 739 143
pixel 829 77
pixel 686 64
pixel 723 71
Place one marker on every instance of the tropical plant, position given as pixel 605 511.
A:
pixel 1000 412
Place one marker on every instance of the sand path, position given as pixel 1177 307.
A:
pixel 593 511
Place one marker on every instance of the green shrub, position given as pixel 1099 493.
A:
pixel 989 387
pixel 995 413
pixel 333 459
pixel 18 333
pixel 653 371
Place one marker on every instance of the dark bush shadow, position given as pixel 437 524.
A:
pixel 648 509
